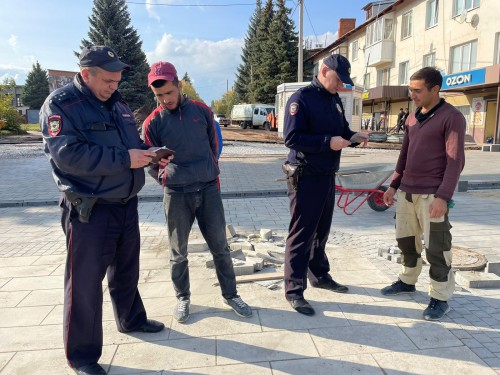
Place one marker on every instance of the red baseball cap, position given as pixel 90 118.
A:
pixel 162 70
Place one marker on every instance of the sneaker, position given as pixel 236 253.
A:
pixel 238 306
pixel 436 309
pixel 399 287
pixel 181 311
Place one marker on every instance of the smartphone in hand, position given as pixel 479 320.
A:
pixel 161 153
pixel 357 138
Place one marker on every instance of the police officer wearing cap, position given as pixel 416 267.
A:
pixel 315 131
pixel 97 159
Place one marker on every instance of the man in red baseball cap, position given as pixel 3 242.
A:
pixel 191 185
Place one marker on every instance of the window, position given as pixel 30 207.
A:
pixel 356 110
pixel 403 73
pixel 431 18
pixel 366 81
pixel 354 51
pixel 383 76
pixel 460 5
pixel 463 57
pixel 496 58
pixel 465 110
pixel 388 28
pixel 406 25
pixel 429 60
pixel 374 32
pixel 18 101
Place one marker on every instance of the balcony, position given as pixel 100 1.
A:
pixel 379 53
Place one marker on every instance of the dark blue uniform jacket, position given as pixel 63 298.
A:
pixel 87 142
pixel 312 116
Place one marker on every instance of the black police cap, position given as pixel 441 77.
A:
pixel 103 57
pixel 341 66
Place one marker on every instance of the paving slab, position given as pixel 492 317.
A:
pixel 265 346
pixel 358 332
pixel 459 360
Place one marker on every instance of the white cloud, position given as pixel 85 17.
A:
pixel 150 8
pixel 12 41
pixel 209 64
pixel 323 40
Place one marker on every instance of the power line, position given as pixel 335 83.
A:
pixel 190 5
pixel 309 18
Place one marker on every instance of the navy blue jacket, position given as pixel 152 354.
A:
pixel 312 117
pixel 87 142
pixel 191 132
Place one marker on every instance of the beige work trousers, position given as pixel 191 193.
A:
pixel 412 220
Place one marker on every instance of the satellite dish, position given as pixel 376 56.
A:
pixel 474 20
pixel 463 16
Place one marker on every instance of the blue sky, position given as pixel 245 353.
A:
pixel 204 41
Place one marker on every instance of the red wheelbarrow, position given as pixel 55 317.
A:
pixel 357 186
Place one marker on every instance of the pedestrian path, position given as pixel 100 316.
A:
pixel 360 332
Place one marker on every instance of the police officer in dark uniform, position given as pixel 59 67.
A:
pixel 315 131
pixel 97 159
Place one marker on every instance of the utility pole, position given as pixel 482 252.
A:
pixel 300 74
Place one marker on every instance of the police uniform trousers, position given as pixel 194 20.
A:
pixel 108 244
pixel 311 210
pixel 412 220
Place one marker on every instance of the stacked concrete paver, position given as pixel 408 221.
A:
pixel 360 332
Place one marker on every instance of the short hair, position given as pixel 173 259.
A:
pixel 400 109
pixel 93 70
pixel 160 82
pixel 431 76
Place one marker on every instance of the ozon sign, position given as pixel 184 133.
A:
pixel 459 80
pixel 472 77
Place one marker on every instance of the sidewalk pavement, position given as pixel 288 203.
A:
pixel 359 332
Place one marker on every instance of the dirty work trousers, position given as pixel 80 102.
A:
pixel 412 220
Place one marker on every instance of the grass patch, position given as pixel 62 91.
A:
pixel 31 127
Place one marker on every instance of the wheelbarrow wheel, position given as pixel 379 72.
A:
pixel 376 201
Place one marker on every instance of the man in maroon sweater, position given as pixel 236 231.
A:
pixel 427 172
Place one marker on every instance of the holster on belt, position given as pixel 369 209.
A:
pixel 293 173
pixel 83 205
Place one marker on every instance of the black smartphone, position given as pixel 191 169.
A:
pixel 161 153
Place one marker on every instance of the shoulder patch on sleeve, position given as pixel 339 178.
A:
pixel 294 108
pixel 54 125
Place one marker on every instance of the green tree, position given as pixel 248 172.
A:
pixel 285 42
pixel 110 25
pixel 244 71
pixel 224 104
pixel 188 88
pixel 260 58
pixel 10 120
pixel 36 88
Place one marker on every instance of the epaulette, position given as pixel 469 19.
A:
pixel 63 97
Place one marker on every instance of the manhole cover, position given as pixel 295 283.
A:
pixel 467 259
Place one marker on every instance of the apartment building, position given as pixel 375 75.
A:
pixel 461 38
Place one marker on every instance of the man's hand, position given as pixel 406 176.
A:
pixel 361 138
pixel 140 158
pixel 437 208
pixel 163 162
pixel 389 196
pixel 338 143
